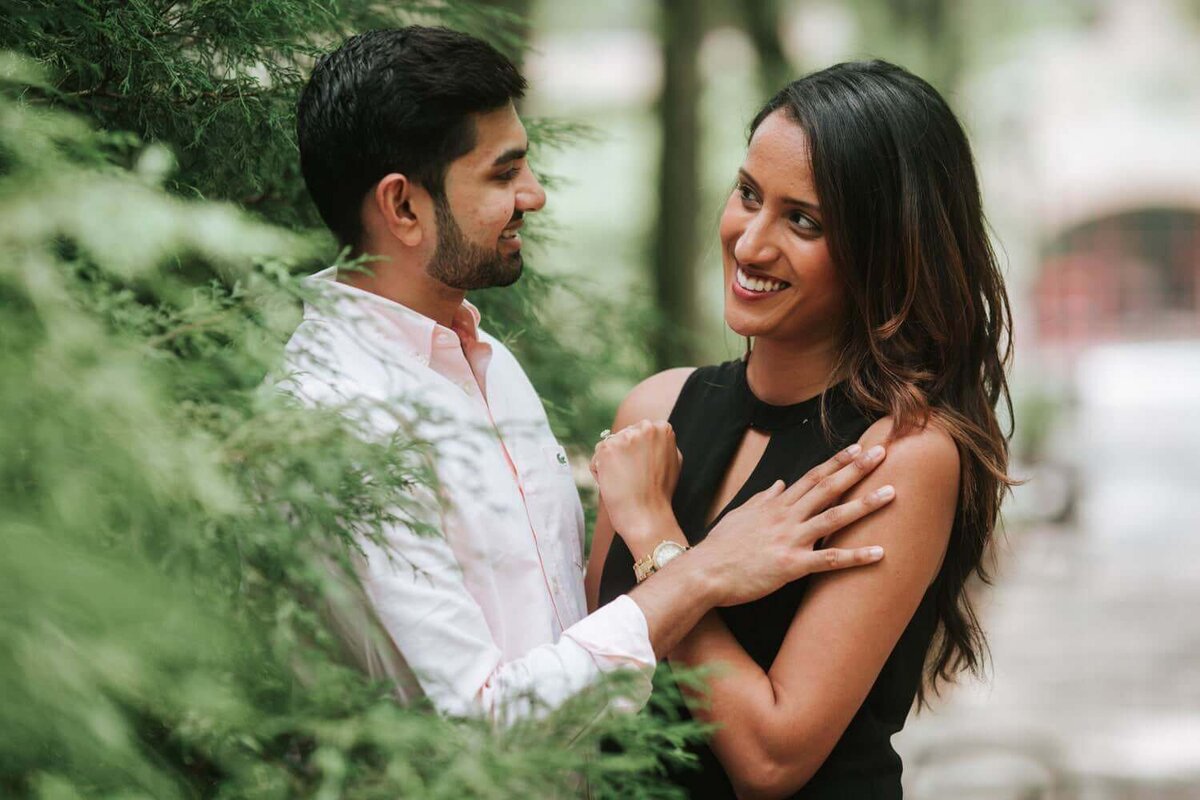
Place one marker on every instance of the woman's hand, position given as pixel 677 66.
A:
pixel 771 539
pixel 637 469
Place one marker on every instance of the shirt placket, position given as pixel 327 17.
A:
pixel 452 362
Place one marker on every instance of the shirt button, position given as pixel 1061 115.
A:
pixel 423 359
pixel 467 386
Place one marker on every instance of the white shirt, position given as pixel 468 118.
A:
pixel 489 617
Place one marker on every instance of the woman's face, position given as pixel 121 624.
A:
pixel 779 280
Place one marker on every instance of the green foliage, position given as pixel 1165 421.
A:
pixel 216 82
pixel 175 529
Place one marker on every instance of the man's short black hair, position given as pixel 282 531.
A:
pixel 395 100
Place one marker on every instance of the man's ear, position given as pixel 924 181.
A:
pixel 399 202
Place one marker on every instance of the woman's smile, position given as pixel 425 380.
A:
pixel 749 285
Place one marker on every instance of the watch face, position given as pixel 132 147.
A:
pixel 666 552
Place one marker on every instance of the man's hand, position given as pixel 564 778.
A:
pixel 770 540
pixel 637 469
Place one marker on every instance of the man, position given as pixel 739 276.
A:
pixel 413 153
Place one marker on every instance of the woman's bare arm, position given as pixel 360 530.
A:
pixel 776 728
pixel 651 399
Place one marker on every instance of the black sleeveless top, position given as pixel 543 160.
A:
pixel 714 409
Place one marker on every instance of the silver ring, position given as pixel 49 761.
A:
pixel 604 434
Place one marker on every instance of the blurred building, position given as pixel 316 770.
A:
pixel 1088 142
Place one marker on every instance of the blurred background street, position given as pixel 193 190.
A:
pixel 1085 119
pixel 1095 690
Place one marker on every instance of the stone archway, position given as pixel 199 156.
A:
pixel 1121 276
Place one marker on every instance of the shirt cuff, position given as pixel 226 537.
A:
pixel 618 637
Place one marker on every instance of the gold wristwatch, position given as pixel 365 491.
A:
pixel 663 553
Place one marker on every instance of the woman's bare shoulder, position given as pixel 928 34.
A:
pixel 925 455
pixel 653 398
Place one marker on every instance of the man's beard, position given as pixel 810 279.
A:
pixel 464 265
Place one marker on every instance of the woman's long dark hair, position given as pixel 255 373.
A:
pixel 929 331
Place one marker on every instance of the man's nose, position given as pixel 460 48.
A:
pixel 531 196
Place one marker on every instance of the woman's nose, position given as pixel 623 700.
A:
pixel 754 245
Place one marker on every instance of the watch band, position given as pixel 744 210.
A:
pixel 663 553
pixel 644 567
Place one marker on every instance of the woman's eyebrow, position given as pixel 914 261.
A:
pixel 805 204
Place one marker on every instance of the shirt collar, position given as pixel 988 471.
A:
pixel 394 320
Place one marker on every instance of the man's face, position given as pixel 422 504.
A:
pixel 487 192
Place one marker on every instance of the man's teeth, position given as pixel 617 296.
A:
pixel 508 234
pixel 754 284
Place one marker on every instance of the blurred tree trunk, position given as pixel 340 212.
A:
pixel 514 39
pixel 675 280
pixel 760 18
pixel 518 31
pixel 933 25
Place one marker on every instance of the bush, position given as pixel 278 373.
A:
pixel 175 528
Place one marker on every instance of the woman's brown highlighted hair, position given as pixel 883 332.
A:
pixel 928 334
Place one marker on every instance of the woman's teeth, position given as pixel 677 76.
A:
pixel 753 284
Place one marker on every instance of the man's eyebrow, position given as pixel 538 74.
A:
pixel 791 201
pixel 511 154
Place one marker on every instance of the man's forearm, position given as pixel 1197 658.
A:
pixel 677 597
pixel 674 600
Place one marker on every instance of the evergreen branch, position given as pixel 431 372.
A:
pixel 229 94
pixel 191 327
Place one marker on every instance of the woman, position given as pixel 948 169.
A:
pixel 856 260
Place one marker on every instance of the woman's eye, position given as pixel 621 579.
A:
pixel 746 193
pixel 805 223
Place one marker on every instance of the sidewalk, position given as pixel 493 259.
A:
pixel 1095 686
